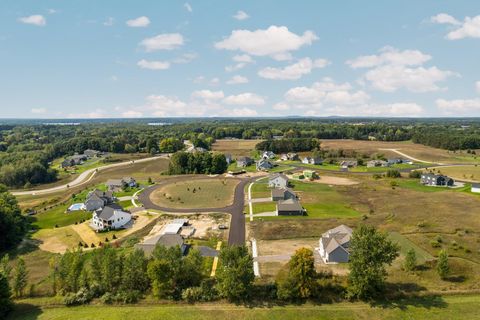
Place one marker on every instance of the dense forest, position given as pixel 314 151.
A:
pixel 27 148
pixel 13 225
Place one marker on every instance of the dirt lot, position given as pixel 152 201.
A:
pixel 206 225
pixel 333 180
pixel 235 147
pixel 285 246
pixel 414 150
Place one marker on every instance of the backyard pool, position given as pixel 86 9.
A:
pixel 76 207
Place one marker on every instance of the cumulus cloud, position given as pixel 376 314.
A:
pixel 139 22
pixel 241 60
pixel 468 28
pixel 294 71
pixel 276 42
pixel 247 98
pixel 153 65
pixel 237 80
pixel 393 69
pixel 36 20
pixel 459 106
pixel 208 94
pixel 477 86
pixel 241 15
pixel 39 110
pixel 281 106
pixel 185 58
pixel 165 41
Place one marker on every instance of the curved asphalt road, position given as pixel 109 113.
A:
pixel 237 224
pixel 84 177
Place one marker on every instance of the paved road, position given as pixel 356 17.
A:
pixel 237 224
pixel 85 177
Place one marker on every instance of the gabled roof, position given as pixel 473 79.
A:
pixel 100 194
pixel 289 205
pixel 336 237
pixel 107 212
pixel 277 175
pixel 280 192
pixel 167 240
pixel 244 159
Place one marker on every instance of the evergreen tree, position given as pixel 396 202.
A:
pixel 443 267
pixel 5 268
pixel 20 278
pixel 6 303
pixel 410 260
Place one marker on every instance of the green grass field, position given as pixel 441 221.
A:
pixel 405 245
pixel 58 216
pixel 260 190
pixel 262 207
pixel 431 307
pixel 199 193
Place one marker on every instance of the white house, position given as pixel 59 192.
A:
pixel 110 217
pixel 278 181
pixel 334 244
pixel 476 187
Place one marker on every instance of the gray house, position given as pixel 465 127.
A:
pixel 334 245
pixel 289 207
pixel 283 194
pixel 312 160
pixel 118 184
pixel 73 160
pixel 264 165
pixel 243 162
pixel 92 153
pixel 166 240
pixel 278 180
pixel 431 179
pixel 98 199
pixel 377 163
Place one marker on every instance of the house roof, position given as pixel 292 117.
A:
pixel 336 237
pixel 289 205
pixel 107 212
pixel 264 162
pixel 475 185
pixel 100 194
pixel 277 175
pixel 128 179
pixel 280 192
pixel 167 240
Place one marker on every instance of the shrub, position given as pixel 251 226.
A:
pixel 83 296
pixel 415 174
pixel 393 173
pixel 107 298
pixel 192 294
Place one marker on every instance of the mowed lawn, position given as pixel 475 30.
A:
pixel 195 193
pixel 435 307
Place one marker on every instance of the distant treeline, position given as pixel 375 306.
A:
pixel 288 145
pixel 27 149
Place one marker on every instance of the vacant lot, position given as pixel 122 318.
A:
pixel 433 308
pixel 199 193
pixel 414 150
pixel 235 147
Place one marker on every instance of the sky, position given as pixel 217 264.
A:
pixel 205 58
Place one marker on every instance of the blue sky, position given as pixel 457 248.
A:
pixel 93 59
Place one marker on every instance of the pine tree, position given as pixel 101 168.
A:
pixel 410 260
pixel 20 278
pixel 5 268
pixel 443 268
pixel 6 304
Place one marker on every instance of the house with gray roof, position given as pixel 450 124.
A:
pixel 74 160
pixel 377 163
pixel 119 184
pixel 334 245
pixel 312 160
pixel 264 165
pixel 110 217
pixel 431 179
pixel 283 194
pixel 166 240
pixel 475 187
pixel 90 153
pixel 289 207
pixel 97 199
pixel 243 162
pixel 277 180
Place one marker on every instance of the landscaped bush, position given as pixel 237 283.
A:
pixel 83 296
pixel 415 174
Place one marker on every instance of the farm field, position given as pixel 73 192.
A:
pixel 418 151
pixel 237 147
pixel 195 193
pixel 464 173
pixel 431 307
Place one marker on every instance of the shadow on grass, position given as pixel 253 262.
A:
pixel 25 311
pixel 427 302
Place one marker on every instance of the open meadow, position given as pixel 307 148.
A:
pixel 235 147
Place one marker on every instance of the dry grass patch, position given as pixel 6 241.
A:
pixel 236 147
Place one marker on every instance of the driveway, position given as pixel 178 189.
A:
pixel 237 223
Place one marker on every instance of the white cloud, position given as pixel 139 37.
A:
pixel 153 65
pixel 188 7
pixel 114 78
pixel 276 42
pixel 185 58
pixel 244 112
pixel 208 94
pixel 241 15
pixel 468 28
pixel 203 80
pixel 109 22
pixel 166 41
pixel 36 20
pixel 247 98
pixel 139 22
pixel 132 114
pixel 245 58
pixel 161 106
pixel 326 92
pixel 393 69
pixel 459 106
pixel 443 18
pixel 477 86
pixel 39 110
pixel 390 56
pixel 237 80
pixel 97 113
pixel 294 71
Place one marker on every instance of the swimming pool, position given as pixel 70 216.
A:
pixel 76 207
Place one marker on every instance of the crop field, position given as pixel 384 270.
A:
pixel 428 307
pixel 237 147
pixel 418 151
pixel 200 193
